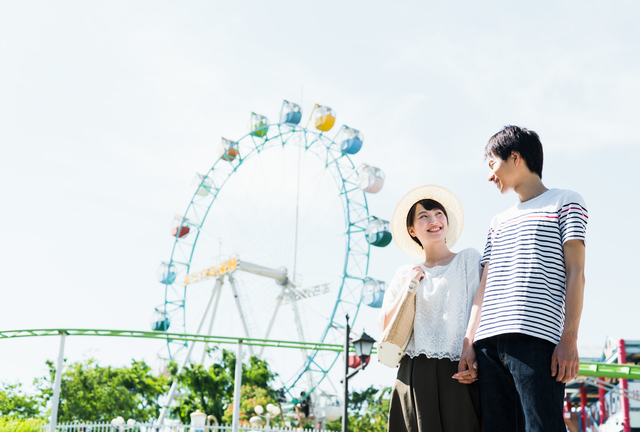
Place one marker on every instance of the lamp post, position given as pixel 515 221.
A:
pixel 272 411
pixel 363 346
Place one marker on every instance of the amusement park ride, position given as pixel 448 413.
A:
pixel 279 232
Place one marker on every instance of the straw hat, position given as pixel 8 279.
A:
pixel 399 219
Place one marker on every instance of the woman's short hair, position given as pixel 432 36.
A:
pixel 427 204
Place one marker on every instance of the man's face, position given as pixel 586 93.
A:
pixel 502 173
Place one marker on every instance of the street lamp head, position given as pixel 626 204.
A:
pixel 255 420
pixel 363 346
pixel 259 410
pixel 118 421
pixel 274 410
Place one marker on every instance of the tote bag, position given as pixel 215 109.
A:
pixel 396 336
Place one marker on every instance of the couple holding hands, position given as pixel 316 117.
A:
pixel 494 334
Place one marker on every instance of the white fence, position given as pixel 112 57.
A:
pixel 167 427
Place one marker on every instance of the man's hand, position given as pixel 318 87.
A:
pixel 565 362
pixel 467 367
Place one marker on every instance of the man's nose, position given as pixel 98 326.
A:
pixel 492 176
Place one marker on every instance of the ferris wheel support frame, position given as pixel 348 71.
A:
pixel 174 385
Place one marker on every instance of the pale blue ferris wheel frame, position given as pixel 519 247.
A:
pixel 356 216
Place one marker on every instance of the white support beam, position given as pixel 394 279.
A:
pixel 56 385
pixel 273 319
pixel 237 389
pixel 240 311
pixel 218 289
pixel 279 275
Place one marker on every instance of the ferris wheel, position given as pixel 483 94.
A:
pixel 279 231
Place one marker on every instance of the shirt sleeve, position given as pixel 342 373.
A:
pixel 392 292
pixel 486 256
pixel 573 218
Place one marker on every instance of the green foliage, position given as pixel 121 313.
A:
pixel 251 397
pixel 90 392
pixel 368 411
pixel 211 390
pixel 14 403
pixel 8 424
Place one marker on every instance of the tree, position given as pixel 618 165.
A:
pixel 368 411
pixel 15 403
pixel 251 396
pixel 211 390
pixel 89 392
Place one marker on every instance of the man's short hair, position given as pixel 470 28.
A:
pixel 524 141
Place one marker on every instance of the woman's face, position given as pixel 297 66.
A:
pixel 429 226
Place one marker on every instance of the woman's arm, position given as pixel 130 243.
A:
pixel 467 367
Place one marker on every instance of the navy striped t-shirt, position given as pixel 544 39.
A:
pixel 525 290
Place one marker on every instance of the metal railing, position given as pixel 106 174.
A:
pixel 167 427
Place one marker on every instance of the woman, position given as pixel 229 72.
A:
pixel 425 224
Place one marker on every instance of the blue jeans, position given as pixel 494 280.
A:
pixel 517 391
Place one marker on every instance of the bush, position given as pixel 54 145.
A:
pixel 21 425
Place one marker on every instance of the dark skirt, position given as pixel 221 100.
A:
pixel 426 399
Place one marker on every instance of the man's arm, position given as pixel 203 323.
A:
pixel 467 367
pixel 565 361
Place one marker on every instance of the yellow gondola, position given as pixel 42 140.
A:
pixel 323 118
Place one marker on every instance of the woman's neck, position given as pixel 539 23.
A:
pixel 437 254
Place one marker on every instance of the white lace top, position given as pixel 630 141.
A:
pixel 443 305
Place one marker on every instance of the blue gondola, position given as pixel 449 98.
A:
pixel 350 140
pixel 373 292
pixel 166 273
pixel 378 232
pixel 291 113
pixel 159 320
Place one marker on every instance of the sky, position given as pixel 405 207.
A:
pixel 107 109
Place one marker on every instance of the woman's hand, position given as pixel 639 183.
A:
pixel 416 273
pixel 467 367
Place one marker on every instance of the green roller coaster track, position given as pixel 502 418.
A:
pixel 587 369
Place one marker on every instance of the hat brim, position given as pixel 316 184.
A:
pixel 444 196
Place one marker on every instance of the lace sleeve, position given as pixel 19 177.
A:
pixel 392 293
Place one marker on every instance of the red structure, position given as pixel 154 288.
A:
pixel 622 359
pixel 603 411
pixel 583 406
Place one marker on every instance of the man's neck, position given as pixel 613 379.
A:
pixel 530 188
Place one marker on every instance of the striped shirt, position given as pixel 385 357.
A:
pixel 525 291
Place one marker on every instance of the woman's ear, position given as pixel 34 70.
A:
pixel 412 232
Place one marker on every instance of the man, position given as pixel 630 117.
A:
pixel 526 313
